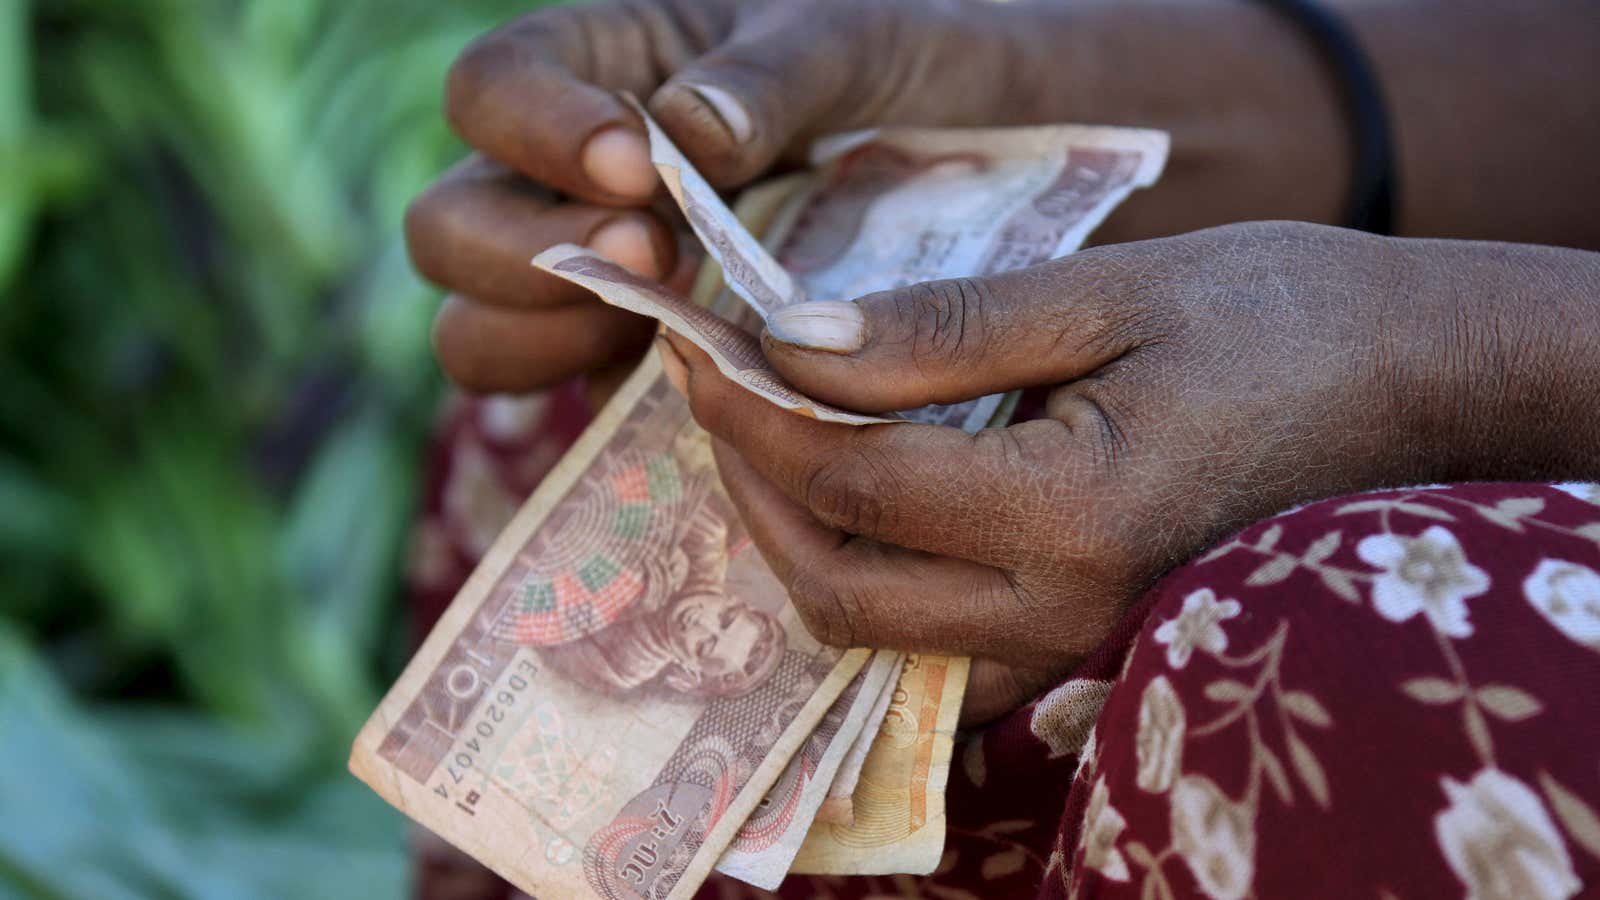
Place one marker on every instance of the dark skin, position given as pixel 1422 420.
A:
pixel 1200 382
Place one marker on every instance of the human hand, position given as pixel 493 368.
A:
pixel 1199 383
pixel 741 85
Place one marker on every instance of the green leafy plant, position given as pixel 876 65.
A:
pixel 215 387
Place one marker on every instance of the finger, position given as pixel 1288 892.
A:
pixel 736 109
pixel 485 348
pixel 852 592
pixel 475 230
pixel 893 483
pixel 952 340
pixel 995 689
pixel 539 94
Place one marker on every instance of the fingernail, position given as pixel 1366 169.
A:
pixel 627 242
pixel 618 160
pixel 734 116
pixel 672 363
pixel 836 326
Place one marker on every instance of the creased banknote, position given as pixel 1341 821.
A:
pixel 619 692
pixel 898 824
pixel 764 847
pixel 890 207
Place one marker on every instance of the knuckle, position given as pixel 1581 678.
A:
pixel 459 346
pixel 481 64
pixel 831 613
pixel 852 492
pixel 427 221
pixel 946 320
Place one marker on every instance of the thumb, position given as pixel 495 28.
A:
pixel 960 338
pixel 734 110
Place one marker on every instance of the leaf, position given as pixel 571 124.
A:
pixel 1008 862
pixel 1225 690
pixel 1340 583
pixel 1435 691
pixel 1508 703
pixel 1423 510
pixel 1415 509
pixel 1478 732
pixel 1006 826
pixel 1269 538
pixel 1276 776
pixel 1580 821
pixel 1321 549
pixel 1220 551
pixel 1520 507
pixel 946 892
pixel 1500 518
pixel 1272 571
pixel 1361 506
pixel 1140 854
pixel 1310 771
pixel 1305 707
pixel 1590 531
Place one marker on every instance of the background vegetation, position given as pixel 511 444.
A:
pixel 215 384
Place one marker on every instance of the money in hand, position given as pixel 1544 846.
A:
pixel 622 697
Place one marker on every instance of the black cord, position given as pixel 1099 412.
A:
pixel 1373 195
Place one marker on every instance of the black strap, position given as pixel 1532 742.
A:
pixel 1372 202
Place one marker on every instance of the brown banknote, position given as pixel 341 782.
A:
pixel 888 207
pixel 621 684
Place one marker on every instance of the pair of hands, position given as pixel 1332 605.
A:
pixel 1196 382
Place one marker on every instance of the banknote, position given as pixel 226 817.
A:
pixel 890 207
pixel 763 848
pixel 736 351
pixel 837 807
pixel 622 684
pixel 619 683
pixel 898 824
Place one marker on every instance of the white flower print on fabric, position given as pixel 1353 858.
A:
pixel 1427 574
pixel 1500 841
pixel 1215 836
pixel 1580 489
pixel 1064 718
pixel 1568 596
pixel 1102 825
pixel 1159 742
pixel 1197 625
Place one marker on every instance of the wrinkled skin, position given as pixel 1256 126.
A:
pixel 1198 383
pixel 1202 381
pixel 534 99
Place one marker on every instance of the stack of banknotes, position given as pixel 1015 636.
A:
pixel 622 699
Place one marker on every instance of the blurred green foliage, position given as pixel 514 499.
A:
pixel 215 384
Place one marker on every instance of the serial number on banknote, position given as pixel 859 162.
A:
pixel 514 684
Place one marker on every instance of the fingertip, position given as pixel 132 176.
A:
pixel 832 326
pixel 631 243
pixel 617 160
pixel 713 128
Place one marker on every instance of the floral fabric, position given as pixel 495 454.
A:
pixel 1392 695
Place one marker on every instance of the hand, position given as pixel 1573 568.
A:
pixel 1198 383
pixel 743 85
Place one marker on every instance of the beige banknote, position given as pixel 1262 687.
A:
pixel 837 807
pixel 899 814
pixel 763 848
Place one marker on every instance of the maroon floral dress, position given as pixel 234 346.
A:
pixel 1390 695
